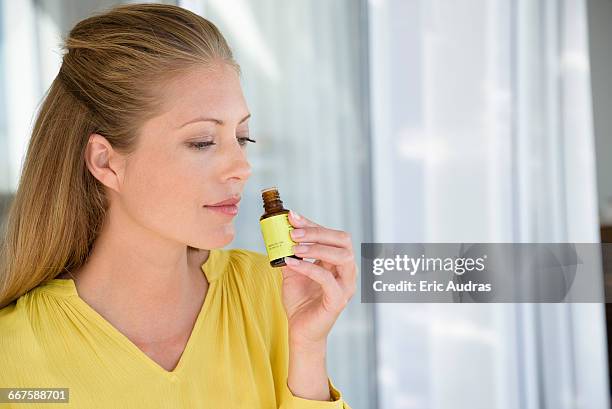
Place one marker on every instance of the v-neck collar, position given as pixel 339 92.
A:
pixel 213 268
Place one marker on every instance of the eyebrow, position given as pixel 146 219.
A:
pixel 217 121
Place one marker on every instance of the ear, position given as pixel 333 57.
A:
pixel 104 163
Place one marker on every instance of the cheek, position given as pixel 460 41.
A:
pixel 161 188
pixel 166 194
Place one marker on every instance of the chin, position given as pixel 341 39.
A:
pixel 214 239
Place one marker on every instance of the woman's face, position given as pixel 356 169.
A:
pixel 191 156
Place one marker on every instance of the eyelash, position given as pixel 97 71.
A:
pixel 203 145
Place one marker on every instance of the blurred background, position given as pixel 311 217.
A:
pixel 408 121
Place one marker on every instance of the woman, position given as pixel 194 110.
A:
pixel 104 288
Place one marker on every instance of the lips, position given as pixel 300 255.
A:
pixel 228 202
pixel 228 207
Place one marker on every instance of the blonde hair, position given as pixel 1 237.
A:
pixel 113 63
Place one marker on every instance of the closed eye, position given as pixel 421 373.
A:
pixel 242 141
pixel 201 145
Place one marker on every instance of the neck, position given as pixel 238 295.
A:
pixel 131 275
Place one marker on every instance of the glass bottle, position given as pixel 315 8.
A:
pixel 275 228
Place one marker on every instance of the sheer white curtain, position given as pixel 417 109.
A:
pixel 482 133
pixel 19 87
pixel 304 78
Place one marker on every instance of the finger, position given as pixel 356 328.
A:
pixel 326 265
pixel 347 276
pixel 323 235
pixel 288 273
pixel 333 255
pixel 297 220
pixel 339 261
pixel 332 289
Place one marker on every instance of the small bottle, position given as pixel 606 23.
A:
pixel 275 228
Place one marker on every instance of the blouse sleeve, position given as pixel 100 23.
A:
pixel 290 401
pixel 279 352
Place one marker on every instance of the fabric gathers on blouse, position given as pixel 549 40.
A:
pixel 236 356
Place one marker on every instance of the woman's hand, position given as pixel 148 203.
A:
pixel 314 294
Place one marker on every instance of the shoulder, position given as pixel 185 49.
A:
pixel 23 321
pixel 250 262
pixel 245 257
pixel 253 270
pixel 14 320
pixel 259 285
pixel 17 341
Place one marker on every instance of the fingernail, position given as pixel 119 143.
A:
pixel 300 249
pixel 295 215
pixel 292 261
pixel 297 233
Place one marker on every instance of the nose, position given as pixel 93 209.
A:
pixel 236 163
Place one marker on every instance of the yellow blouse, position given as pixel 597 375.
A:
pixel 236 356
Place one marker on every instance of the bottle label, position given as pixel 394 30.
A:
pixel 276 236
